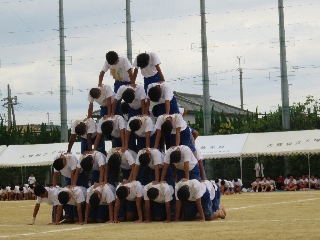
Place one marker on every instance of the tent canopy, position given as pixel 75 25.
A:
pixel 282 143
pixel 37 155
pixel 221 146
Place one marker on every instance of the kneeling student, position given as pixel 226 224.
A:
pixel 256 187
pixel 237 183
pixel 100 197
pixel 133 193
pixel 162 203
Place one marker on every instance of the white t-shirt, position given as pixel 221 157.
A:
pixel 31 180
pixel 210 188
pixel 136 190
pixel 127 158
pixel 186 156
pixel 157 157
pixel 3 191
pixel 196 189
pixel 177 121
pixel 119 71
pixel 293 182
pixel 264 182
pixel 286 181
pixel 8 189
pixel 108 193
pixel 118 124
pixel 78 195
pixel 71 164
pixel 238 183
pixel 52 198
pixel 149 70
pixel 139 95
pixel 146 126
pixel 165 192
pixel 306 180
pixel 106 92
pixel 90 125
pixel 255 183
pixel 313 181
pixel 166 93
pixel 99 159
pixel 24 190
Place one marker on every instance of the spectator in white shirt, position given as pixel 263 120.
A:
pixel 3 193
pixel 291 184
pixel 256 185
pixel 48 195
pixel 313 183
pixel 31 179
pixel 272 183
pixel 132 192
pixel 303 183
pixel 237 185
pixel 104 96
pixel 23 193
pixel 265 185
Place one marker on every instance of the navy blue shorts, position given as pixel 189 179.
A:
pixel 193 174
pixel 72 211
pixel 216 201
pixel 116 142
pixel 192 209
pixel 141 141
pixel 158 210
pixel 185 139
pixel 125 173
pixel 127 207
pixel 169 176
pixel 174 108
pixel 82 180
pixel 154 79
pixel 100 213
pixel 84 144
pixel 68 181
pixel 134 112
pixel 95 176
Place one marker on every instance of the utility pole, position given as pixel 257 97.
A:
pixel 284 78
pixel 241 89
pixel 128 28
pixel 63 90
pixel 9 104
pixel 205 75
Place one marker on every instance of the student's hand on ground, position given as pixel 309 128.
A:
pixel 176 221
pixel 147 221
pixel 79 223
pixel 83 223
pixel 166 221
pixel 56 223
pixel 116 221
pixel 109 222
pixel 50 223
pixel 202 220
pixel 138 221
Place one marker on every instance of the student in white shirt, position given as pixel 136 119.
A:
pixel 237 185
pixel 135 96
pixel 255 186
pixel 31 195
pixel 94 161
pixel 3 193
pixel 31 179
pixel 48 195
pixel 100 203
pixel 163 97
pixel 272 184
pixel 88 131
pixel 160 198
pixel 23 193
pixel 187 166
pixel 175 126
pixel 265 185
pixel 119 159
pixel 72 200
pixel 291 184
pixel 191 191
pixel 120 69
pixel 225 187
pixel 113 128
pixel 144 129
pixel 304 183
pixel 132 192
pixel 149 63
pixel 313 183
pixel 104 96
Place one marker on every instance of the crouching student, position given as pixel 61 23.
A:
pixel 194 191
pixel 255 186
pixel 291 184
pixel 265 185
pixel 237 185
pixel 99 202
pixel 3 193
pixel 31 195
pixel 216 201
pixel 94 161
pixel 163 97
pixel 23 193
pixel 118 159
pixel 186 165
pixel 48 195
pixel 216 207
pixel 131 195
pixel 225 187
pixel 313 182
pixel 160 199
pixel 72 200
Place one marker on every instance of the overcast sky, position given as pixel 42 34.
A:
pixel 29 50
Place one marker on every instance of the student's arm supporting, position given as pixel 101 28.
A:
pixel 160 72
pixel 148 139
pixel 164 171
pixel 147 105
pixel 167 105
pixel 86 216
pixel 131 76
pixel 139 208
pixel 96 143
pixel 89 141
pixel 178 136
pixel 122 135
pixel 127 139
pixel 55 178
pixel 116 210
pixel 131 172
pixel 90 110
pixel 75 177
pixel 156 142
pixel 109 106
pixel 157 172
pixel 73 172
pixel 200 210
pixel 186 170
pixel 71 142
pixel 79 208
pixel 135 171
pixel 101 175
pixel 110 206
pixel 114 106
pixel 147 211
pixel 35 212
pixel 177 214
pixel 106 172
pixel 168 211
pixel 135 73
pixel 101 78
pixel 143 106
pixel 58 215
pixel 201 170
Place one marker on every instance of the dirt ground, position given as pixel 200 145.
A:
pixel 285 215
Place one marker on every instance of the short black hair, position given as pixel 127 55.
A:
pixel 31 186
pixel 175 156
pixel 144 159
pixel 20 188
pixel 94 200
pixel 128 95
pixel 58 164
pixel 86 163
pixel 114 162
pixel 107 128
pixel 95 93
pixel 3 186
pixel 143 60
pixel 12 187
pixel 222 183
pixel 154 94
pixel 235 179
pixel 155 111
pixel 63 197
pixel 38 190
pixel 134 125
pixel 125 108
pixel 216 180
pixel 80 129
pixel 153 193
pixel 112 57
pixel 166 127
pixel 122 192
pixel 183 193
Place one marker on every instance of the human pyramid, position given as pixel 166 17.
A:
pixel 155 186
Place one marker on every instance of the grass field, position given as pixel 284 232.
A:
pixel 285 215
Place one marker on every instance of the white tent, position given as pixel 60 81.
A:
pixel 37 155
pixel 2 149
